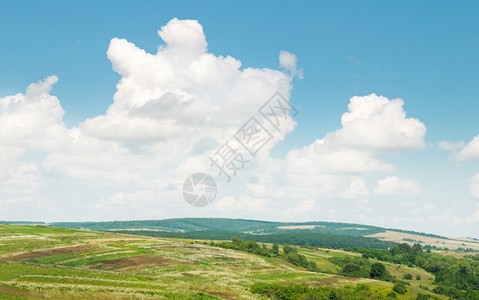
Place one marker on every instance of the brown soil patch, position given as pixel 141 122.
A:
pixel 175 246
pixel 219 294
pixel 261 268
pixel 229 258
pixel 117 240
pixel 50 252
pixel 139 262
pixel 21 294
pixel 234 267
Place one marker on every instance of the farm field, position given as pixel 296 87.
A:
pixel 38 262
pixel 450 243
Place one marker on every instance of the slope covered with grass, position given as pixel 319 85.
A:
pixel 42 262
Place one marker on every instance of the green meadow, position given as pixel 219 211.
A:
pixel 38 262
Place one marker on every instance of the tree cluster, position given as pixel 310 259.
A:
pixel 457 278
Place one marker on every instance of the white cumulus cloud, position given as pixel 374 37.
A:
pixel 393 185
pixel 377 123
pixel 171 110
pixel 321 157
pixel 34 119
pixel 470 151
pixel 289 61
pixel 181 91
pixel 28 122
pixel 373 126
pixel 357 188
pixel 451 146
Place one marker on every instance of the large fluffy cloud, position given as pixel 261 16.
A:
pixel 33 119
pixel 373 125
pixel 181 91
pixel 28 122
pixel 171 110
pixel 377 123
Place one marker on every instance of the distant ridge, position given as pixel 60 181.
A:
pixel 238 225
pixel 311 232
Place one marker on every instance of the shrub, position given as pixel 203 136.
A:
pixel 288 249
pixel 333 296
pixel 275 249
pixel 378 271
pixel 400 288
pixel 312 266
pixel 362 287
pixel 422 296
pixel 391 294
pixel 407 276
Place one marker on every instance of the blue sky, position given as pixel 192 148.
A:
pixel 425 53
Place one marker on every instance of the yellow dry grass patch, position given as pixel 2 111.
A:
pixel 299 227
pixel 399 237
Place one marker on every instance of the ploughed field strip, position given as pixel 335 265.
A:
pixel 42 262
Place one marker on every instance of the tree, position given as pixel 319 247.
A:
pixel 400 288
pixel 237 242
pixel 378 271
pixel 407 276
pixel 416 248
pixel 288 249
pixel 275 249
pixel 351 269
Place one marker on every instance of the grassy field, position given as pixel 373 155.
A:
pixel 38 262
pixel 450 243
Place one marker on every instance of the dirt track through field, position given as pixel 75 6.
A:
pixel 139 262
pixel 50 252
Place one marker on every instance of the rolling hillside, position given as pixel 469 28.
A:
pixel 254 227
pixel 47 262
pixel 236 225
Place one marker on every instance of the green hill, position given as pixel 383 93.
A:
pixel 47 262
pixel 235 225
